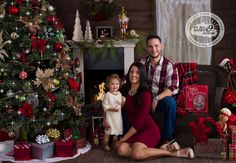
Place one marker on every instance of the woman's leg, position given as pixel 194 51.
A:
pixel 124 149
pixel 140 151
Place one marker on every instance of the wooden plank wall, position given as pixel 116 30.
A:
pixel 226 10
pixel 142 19
pixel 140 13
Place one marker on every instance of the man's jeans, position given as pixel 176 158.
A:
pixel 168 105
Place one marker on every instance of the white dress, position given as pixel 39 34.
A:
pixel 114 119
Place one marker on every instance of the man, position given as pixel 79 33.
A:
pixel 164 80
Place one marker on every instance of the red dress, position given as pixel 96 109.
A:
pixel 147 130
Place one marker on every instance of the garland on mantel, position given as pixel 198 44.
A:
pixel 106 46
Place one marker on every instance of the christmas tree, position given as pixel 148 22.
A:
pixel 39 79
pixel 88 33
pixel 77 34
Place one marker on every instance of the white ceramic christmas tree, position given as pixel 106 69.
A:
pixel 77 34
pixel 88 33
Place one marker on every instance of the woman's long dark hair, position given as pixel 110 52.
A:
pixel 144 82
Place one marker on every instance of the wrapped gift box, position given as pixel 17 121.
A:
pixel 196 98
pixel 22 151
pixel 214 148
pixel 42 151
pixel 80 143
pixel 232 151
pixel 6 147
pixel 232 133
pixel 65 148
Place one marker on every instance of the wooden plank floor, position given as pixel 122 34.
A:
pixel 96 155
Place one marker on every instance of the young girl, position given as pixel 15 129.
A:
pixel 112 103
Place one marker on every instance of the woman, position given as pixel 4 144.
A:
pixel 140 141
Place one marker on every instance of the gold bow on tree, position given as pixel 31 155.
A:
pixel 32 25
pixel 77 107
pixel 44 79
pixel 63 60
pixel 2 44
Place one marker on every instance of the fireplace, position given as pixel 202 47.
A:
pixel 96 69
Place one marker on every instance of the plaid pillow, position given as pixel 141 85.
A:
pixel 187 76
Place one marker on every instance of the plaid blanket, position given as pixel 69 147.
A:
pixel 187 76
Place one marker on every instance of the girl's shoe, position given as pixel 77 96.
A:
pixel 171 146
pixel 105 147
pixel 185 152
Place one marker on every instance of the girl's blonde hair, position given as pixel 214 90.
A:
pixel 113 76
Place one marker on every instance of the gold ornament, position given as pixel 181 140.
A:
pixel 32 25
pixel 12 134
pixel 63 61
pixel 22 98
pixel 44 79
pixel 2 11
pixel 56 82
pixel 14 35
pixel 3 52
pixel 77 107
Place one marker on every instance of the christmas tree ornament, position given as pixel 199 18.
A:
pixel 14 35
pixel 21 98
pixel 2 12
pixel 33 100
pixel 23 75
pixel 13 10
pixel 3 52
pixel 50 8
pixel 56 82
pixel 58 47
pixel 12 134
pixel 27 86
pixel 77 33
pixel 57 35
pixel 10 93
pixel 43 78
pixel 63 61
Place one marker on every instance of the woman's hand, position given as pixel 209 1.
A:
pixel 123 99
pixel 117 144
pixel 154 104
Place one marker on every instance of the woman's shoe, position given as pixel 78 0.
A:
pixel 185 152
pixel 171 146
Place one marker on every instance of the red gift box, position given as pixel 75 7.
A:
pixel 65 148
pixel 196 98
pixel 232 151
pixel 22 151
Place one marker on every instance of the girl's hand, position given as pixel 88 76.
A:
pixel 123 99
pixel 115 109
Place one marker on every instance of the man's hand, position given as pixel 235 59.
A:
pixel 154 104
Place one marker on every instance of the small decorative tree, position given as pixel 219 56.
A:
pixel 77 34
pixel 88 33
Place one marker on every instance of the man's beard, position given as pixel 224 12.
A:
pixel 154 57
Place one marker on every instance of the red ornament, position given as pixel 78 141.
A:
pixel 58 47
pixel 23 75
pixel 13 10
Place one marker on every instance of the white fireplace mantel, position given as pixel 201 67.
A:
pixel 128 56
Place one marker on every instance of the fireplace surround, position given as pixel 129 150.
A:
pixel 104 64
